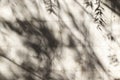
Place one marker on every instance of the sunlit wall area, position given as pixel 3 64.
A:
pixel 59 40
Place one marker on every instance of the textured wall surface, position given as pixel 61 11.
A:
pixel 59 40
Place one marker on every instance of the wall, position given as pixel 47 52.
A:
pixel 63 42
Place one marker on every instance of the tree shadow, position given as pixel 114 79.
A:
pixel 113 5
pixel 42 47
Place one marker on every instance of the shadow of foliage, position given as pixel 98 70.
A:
pixel 113 5
pixel 40 40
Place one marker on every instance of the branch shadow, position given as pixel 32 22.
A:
pixel 41 41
